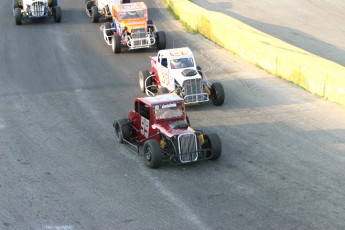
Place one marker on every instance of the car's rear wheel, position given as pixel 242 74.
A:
pixel 116 43
pixel 213 143
pixel 162 90
pixel 126 1
pixel 143 75
pixel 217 94
pixel 89 5
pixel 18 16
pixel 161 40
pixel 108 30
pixel 152 154
pixel 57 14
pixel 122 130
pixel 94 14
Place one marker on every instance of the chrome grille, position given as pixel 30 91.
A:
pixel 194 92
pixel 37 9
pixel 188 147
pixel 139 37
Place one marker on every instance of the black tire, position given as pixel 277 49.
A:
pixel 161 40
pixel 187 119
pixel 94 14
pixel 126 1
pixel 122 130
pixel 143 75
pixel 89 5
pixel 116 44
pixel 18 16
pixel 150 26
pixel 162 90
pixel 53 3
pixel 15 4
pixel 217 94
pixel 198 68
pixel 152 154
pixel 212 142
pixel 107 27
pixel 57 14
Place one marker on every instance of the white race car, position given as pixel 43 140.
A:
pixel 97 9
pixel 35 9
pixel 175 71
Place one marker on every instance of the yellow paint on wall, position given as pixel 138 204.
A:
pixel 315 74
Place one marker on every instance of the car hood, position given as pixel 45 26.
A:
pixel 173 128
pixel 180 78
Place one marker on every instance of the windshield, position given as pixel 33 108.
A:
pixel 132 14
pixel 181 63
pixel 169 111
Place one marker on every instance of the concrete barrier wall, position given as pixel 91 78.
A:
pixel 315 74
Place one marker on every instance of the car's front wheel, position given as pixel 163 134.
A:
pixel 161 40
pixel 122 130
pixel 217 94
pixel 57 14
pixel 152 154
pixel 18 16
pixel 143 80
pixel 212 142
pixel 116 43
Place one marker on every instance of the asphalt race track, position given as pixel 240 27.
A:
pixel 313 25
pixel 61 87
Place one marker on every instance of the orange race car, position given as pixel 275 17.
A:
pixel 130 28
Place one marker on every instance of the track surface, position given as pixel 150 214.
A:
pixel 313 25
pixel 61 88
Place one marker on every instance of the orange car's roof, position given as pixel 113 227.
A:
pixel 130 7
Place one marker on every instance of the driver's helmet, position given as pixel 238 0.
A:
pixel 175 63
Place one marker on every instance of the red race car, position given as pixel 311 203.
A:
pixel 159 130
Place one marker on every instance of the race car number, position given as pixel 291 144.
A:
pixel 144 130
pixel 178 52
pixel 164 74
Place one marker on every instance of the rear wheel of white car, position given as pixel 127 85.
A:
pixel 116 43
pixel 143 75
pixel 162 90
pixel 57 14
pixel 18 16
pixel 108 30
pixel 126 1
pixel 152 154
pixel 212 142
pixel 161 40
pixel 94 14
pixel 122 130
pixel 217 94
